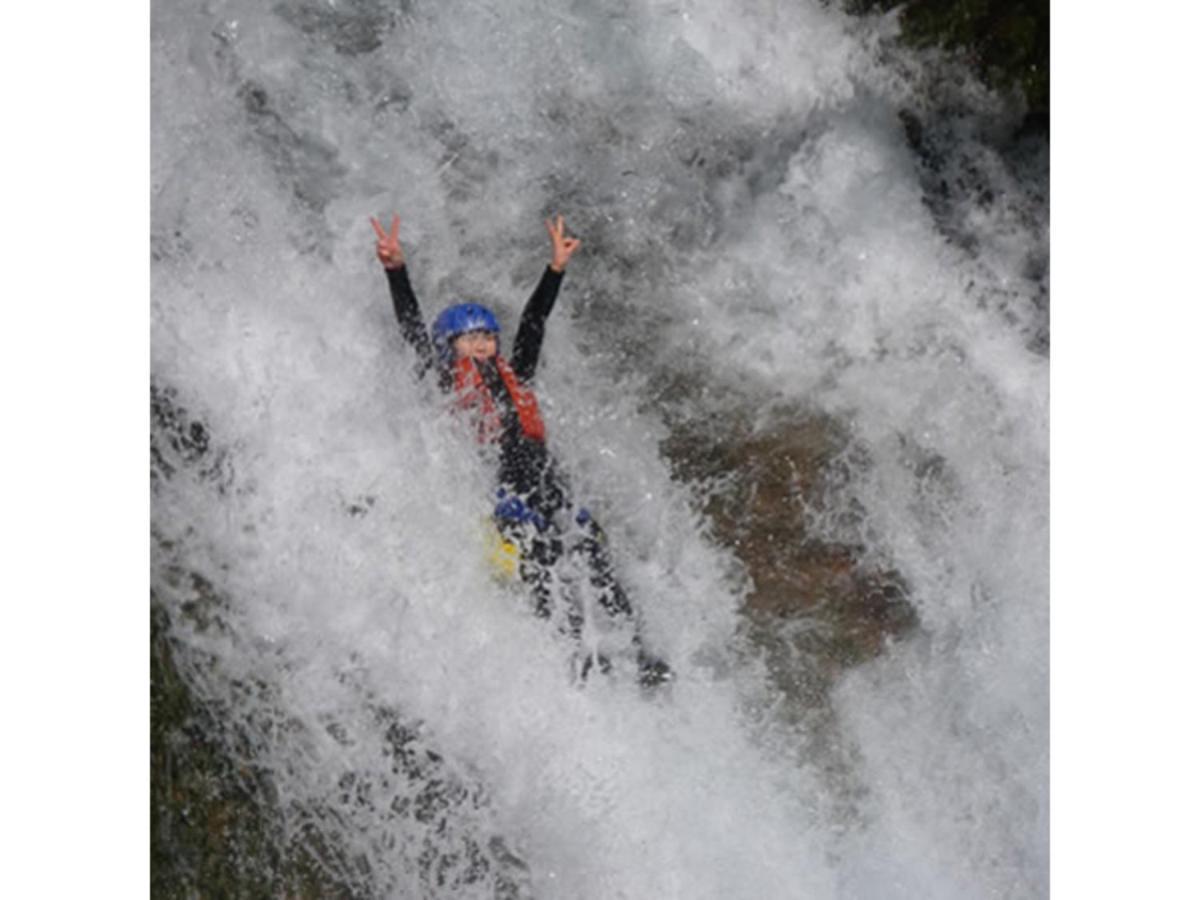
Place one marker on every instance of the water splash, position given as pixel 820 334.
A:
pixel 757 235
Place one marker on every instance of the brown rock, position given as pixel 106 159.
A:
pixel 763 486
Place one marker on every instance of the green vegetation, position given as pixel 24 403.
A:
pixel 214 831
pixel 1006 42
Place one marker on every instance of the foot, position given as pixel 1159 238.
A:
pixel 652 671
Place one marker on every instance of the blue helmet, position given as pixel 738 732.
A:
pixel 456 320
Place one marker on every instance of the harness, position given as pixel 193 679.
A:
pixel 472 394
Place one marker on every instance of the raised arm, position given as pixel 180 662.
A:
pixel 404 301
pixel 528 344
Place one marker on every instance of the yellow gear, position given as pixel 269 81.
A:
pixel 503 555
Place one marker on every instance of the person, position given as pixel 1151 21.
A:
pixel 534 509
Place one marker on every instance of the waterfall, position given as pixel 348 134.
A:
pixel 760 247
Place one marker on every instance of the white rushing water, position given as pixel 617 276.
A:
pixel 750 214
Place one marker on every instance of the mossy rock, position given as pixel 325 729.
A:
pixel 1006 42
pixel 213 829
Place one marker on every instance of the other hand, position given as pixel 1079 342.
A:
pixel 562 246
pixel 388 248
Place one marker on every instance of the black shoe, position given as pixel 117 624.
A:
pixel 652 672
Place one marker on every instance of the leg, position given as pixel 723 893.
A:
pixel 538 557
pixel 592 546
pixel 541 548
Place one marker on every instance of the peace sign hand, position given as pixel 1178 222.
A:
pixel 562 245
pixel 387 248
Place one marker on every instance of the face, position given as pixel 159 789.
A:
pixel 475 345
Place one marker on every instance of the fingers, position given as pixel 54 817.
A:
pixel 392 234
pixel 555 227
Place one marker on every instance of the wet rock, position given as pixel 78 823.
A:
pixel 765 487
pixel 213 828
pixel 352 28
pixel 179 441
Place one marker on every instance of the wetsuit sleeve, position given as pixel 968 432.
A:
pixel 528 345
pixel 408 314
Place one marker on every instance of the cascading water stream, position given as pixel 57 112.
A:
pixel 755 242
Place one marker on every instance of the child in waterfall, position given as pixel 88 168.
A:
pixel 534 509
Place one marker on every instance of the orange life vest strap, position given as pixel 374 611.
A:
pixel 474 395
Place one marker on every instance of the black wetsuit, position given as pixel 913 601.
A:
pixel 535 510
